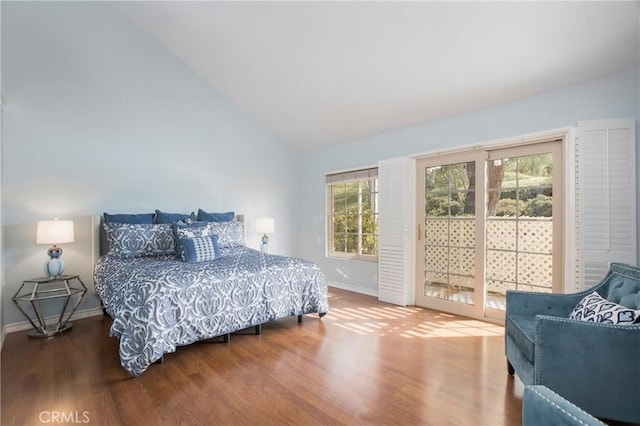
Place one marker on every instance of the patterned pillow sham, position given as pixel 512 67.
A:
pixel 139 240
pixel 595 308
pixel 230 234
pixel 199 249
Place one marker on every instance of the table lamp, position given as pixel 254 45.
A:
pixel 265 226
pixel 54 232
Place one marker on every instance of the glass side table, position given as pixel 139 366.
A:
pixel 34 291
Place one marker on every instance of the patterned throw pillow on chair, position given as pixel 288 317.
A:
pixel 200 249
pixel 595 308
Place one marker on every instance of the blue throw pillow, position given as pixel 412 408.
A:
pixel 143 218
pixel 215 217
pixel 162 217
pixel 200 249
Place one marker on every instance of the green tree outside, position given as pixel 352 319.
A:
pixel 355 217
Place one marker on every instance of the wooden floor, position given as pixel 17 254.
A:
pixel 365 362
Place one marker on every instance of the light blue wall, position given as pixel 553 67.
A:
pixel 616 96
pixel 98 117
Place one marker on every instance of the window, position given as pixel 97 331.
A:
pixel 352 215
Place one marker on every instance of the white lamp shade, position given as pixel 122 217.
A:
pixel 54 232
pixel 265 225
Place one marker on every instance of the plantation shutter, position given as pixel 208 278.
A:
pixel 394 262
pixel 606 202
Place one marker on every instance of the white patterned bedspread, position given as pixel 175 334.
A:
pixel 158 303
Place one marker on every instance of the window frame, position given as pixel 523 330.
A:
pixel 360 176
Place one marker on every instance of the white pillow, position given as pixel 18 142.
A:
pixel 595 308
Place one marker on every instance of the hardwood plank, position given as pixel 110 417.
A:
pixel 366 362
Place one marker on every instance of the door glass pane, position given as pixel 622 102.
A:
pixel 449 232
pixel 519 228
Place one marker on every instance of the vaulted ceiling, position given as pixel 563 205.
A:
pixel 319 73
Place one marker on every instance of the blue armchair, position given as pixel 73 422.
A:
pixel 543 407
pixel 594 365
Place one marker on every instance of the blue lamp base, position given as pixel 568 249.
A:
pixel 265 244
pixel 55 265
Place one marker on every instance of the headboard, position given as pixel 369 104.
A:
pixel 104 246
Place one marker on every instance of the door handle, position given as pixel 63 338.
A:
pixel 419 232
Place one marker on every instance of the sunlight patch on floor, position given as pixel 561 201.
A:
pixel 378 321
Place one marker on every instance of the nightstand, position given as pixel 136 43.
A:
pixel 68 288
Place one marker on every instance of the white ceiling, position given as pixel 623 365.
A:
pixel 318 73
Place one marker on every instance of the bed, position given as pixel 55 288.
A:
pixel 160 296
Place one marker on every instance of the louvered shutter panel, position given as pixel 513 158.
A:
pixel 393 241
pixel 606 203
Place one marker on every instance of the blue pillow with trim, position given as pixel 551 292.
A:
pixel 200 249
pixel 135 219
pixel 163 217
pixel 215 217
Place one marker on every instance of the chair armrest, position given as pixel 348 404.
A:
pixel 594 365
pixel 541 406
pixel 529 304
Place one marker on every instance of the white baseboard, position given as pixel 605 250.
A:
pixel 353 288
pixel 26 325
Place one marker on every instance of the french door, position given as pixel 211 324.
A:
pixel 488 221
